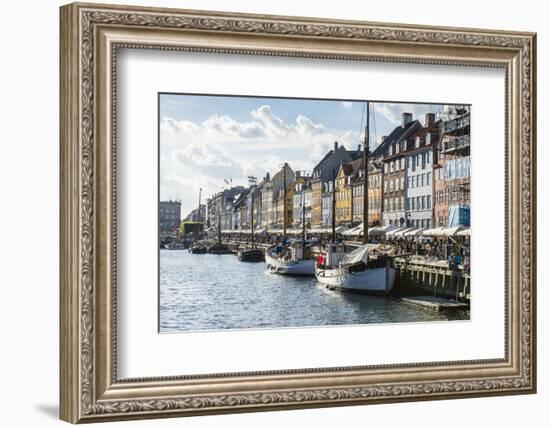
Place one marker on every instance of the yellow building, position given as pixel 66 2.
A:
pixel 343 194
pixel 289 206
pixel 316 208
pixel 375 195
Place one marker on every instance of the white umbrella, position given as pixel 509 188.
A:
pixel 432 232
pixel 381 231
pixel 353 231
pixel 402 232
pixel 393 233
pixel 341 229
pixel 465 232
pixel 452 231
pixel 413 231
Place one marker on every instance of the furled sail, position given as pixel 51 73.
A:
pixel 355 256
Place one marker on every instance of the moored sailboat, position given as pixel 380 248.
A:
pixel 251 253
pixel 218 248
pixel 292 259
pixel 198 248
pixel 354 271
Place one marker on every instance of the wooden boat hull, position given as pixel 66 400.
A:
pixel 250 255
pixel 218 250
pixel 378 280
pixel 197 250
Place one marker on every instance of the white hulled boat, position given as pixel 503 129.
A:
pixel 354 271
pixel 294 259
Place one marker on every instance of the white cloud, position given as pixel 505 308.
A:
pixel 347 104
pixel 202 155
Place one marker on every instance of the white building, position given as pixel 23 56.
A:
pixel 419 179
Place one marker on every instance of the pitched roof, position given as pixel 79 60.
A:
pixel 422 131
pixel 396 135
pixel 331 162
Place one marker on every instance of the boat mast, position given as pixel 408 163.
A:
pixel 284 201
pixel 366 182
pixel 303 219
pixel 219 228
pixel 334 204
pixel 251 218
pixel 199 211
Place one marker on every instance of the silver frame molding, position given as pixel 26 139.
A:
pixel 90 37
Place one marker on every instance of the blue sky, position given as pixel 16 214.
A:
pixel 206 139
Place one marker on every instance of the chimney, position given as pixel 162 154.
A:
pixel 429 120
pixel 406 118
pixel 267 176
pixel 335 146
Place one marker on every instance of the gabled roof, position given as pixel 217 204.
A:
pixel 332 160
pixel 358 166
pixel 347 168
pixel 434 130
pixel 396 135
pixel 422 131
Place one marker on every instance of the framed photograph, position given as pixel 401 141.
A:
pixel 267 212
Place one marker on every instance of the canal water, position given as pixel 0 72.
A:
pixel 212 292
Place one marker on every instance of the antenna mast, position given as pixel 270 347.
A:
pixel 366 182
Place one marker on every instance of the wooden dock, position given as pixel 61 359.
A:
pixel 436 303
pixel 433 276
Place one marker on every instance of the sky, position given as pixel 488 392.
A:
pixel 205 140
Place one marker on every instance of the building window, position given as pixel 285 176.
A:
pixel 428 178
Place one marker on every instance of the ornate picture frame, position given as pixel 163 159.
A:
pixel 90 37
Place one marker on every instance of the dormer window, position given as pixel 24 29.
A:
pixel 417 142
